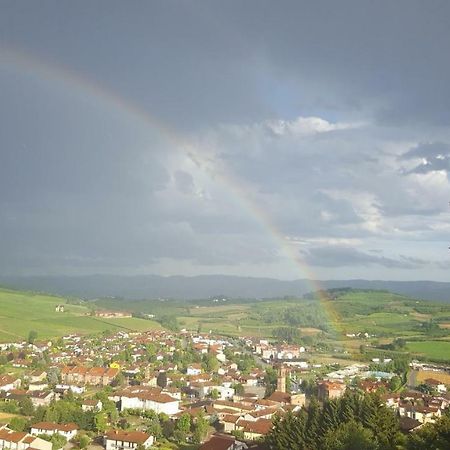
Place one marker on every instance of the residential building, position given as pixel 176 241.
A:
pixel 127 440
pixel 68 430
pixel 18 440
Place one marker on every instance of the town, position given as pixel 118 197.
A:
pixel 162 389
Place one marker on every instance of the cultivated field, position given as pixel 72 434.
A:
pixel 346 321
pixel 438 350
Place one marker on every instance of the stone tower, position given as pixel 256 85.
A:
pixel 281 380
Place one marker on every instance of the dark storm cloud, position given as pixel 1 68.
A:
pixel 295 119
pixel 240 61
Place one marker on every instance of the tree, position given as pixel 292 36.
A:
pixel 154 427
pixel 100 422
pixel 119 380
pixel 432 436
pixel 161 379
pixel 313 432
pixel 26 406
pixel 395 383
pixel 18 424
pixel 330 416
pixel 201 426
pixel 386 428
pixel 182 427
pixel 58 441
pixel 270 380
pixel 83 440
pixel 168 428
pixel 350 436
pixel 32 336
pixel 210 363
pixel 359 421
pixel 214 394
pixel 291 335
pixel 53 375
pixel 238 434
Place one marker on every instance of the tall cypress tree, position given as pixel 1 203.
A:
pixel 368 412
pixel 330 416
pixel 346 413
pixel 386 429
pixel 313 434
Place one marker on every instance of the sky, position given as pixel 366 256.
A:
pixel 289 139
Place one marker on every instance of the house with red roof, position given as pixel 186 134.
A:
pixel 68 430
pixel 20 440
pixel 127 440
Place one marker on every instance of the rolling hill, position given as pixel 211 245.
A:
pixel 180 287
pixel 22 312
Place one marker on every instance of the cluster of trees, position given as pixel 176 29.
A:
pixel 331 293
pixel 397 344
pixel 432 436
pixel 197 428
pixel 58 440
pixel 355 421
pixel 432 328
pixel 290 335
pixel 399 365
pixel 160 426
pixel 169 322
pixel 306 314
pixel 62 411
pixel 245 361
pixel 270 381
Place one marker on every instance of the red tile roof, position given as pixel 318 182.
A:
pixel 218 443
pixel 138 437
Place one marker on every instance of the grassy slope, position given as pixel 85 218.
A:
pixel 21 312
pixel 381 313
pixel 439 350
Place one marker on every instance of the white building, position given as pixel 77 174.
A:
pixel 17 440
pixel 194 369
pixel 158 402
pixel 123 440
pixel 68 430
pixel 7 383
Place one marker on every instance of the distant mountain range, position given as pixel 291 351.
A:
pixel 206 286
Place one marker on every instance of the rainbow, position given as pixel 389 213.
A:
pixel 50 72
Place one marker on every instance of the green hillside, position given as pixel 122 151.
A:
pixel 21 312
pixel 339 321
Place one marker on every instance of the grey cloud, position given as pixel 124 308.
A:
pixel 184 181
pixel 337 256
pixel 435 156
pixel 86 183
pixel 242 61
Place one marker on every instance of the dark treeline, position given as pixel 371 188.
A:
pixel 309 314
pixel 355 421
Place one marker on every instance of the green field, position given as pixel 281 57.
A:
pixel 383 315
pixel 21 312
pixel 439 350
